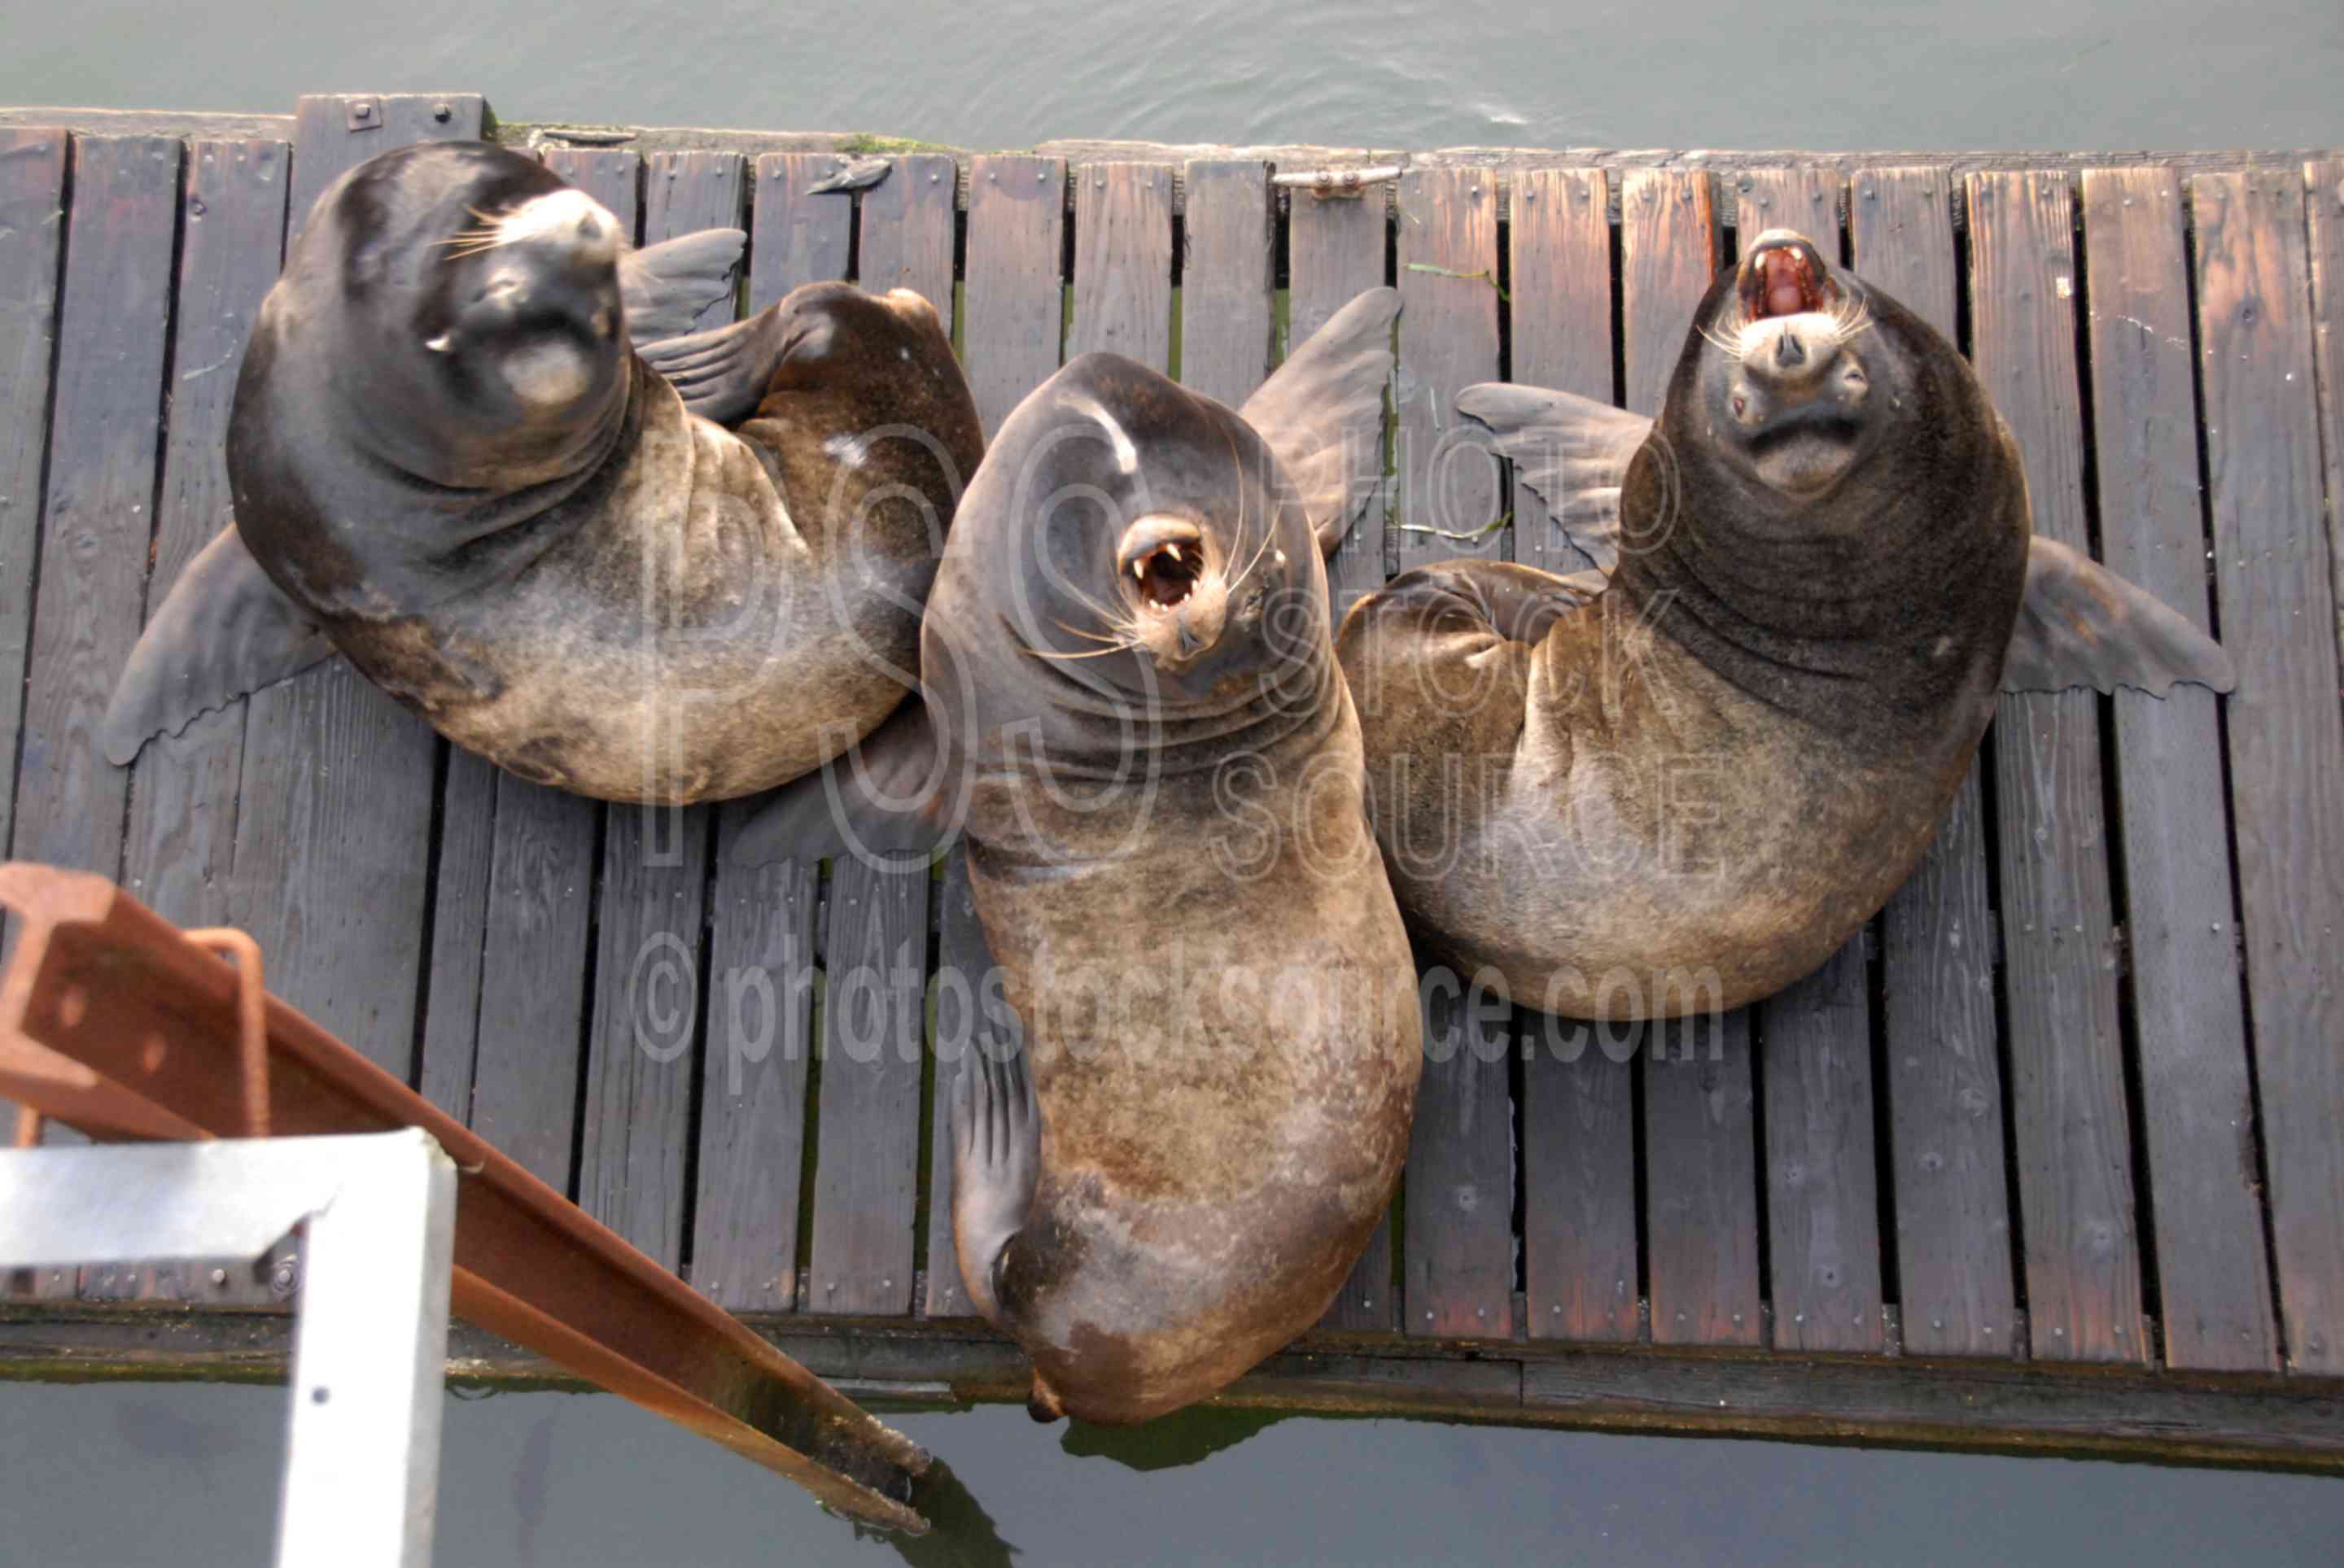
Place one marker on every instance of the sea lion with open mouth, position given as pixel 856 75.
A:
pixel 1132 705
pixel 1683 785
pixel 450 464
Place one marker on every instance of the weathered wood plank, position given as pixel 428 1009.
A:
pixel 2278 616
pixel 1123 262
pixel 533 996
pixel 1668 256
pixel 1579 1179
pixel 761 951
pixel 907 231
pixel 1457 1276
pixel 1823 1201
pixel 2067 1092
pixel 1450 500
pixel 635 1155
pixel 1700 1181
pixel 2015 1408
pixel 868 1131
pixel 1335 252
pixel 2324 198
pixel 1942 1066
pixel 31 240
pixel 105 438
pixel 1458 1272
pixel 1579 1114
pixel 632 1172
pixel 753 1108
pixel 1226 333
pixel 333 829
pixel 2196 1108
pixel 1013 297
pixel 1559 255
pixel 1701 1164
pixel 794 237
pixel 180 840
pixel 866 1194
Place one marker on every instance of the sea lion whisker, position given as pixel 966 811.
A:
pixel 1091 636
pixel 1086 653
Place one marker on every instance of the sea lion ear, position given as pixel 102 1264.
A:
pixel 667 288
pixel 1322 411
pixel 885 799
pixel 2082 625
pixel 1571 451
pixel 225 631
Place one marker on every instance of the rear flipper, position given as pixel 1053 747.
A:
pixel 666 288
pixel 996 1156
pixel 1519 603
pixel 2082 625
pixel 722 374
pixel 1322 412
pixel 1571 452
pixel 885 799
pixel 225 631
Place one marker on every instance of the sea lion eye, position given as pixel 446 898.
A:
pixel 1739 402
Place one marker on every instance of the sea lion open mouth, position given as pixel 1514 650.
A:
pixel 1165 558
pixel 1785 275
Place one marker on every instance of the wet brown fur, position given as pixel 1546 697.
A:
pixel 1218 1003
pixel 1687 793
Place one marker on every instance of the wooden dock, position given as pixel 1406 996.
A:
pixel 2052 1156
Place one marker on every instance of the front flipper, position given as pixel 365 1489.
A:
pixel 1573 452
pixel 2082 625
pixel 665 289
pixel 1323 413
pixel 224 631
pixel 883 800
pixel 996 1157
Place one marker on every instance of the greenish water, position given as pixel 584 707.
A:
pixel 1895 74
pixel 138 1473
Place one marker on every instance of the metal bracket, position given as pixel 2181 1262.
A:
pixel 1339 183
pixel 370 1341
pixel 113 1021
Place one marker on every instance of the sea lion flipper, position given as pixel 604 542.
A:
pixel 224 631
pixel 1573 452
pixel 666 287
pixel 2082 625
pixel 881 799
pixel 1323 413
pixel 722 374
pixel 996 1156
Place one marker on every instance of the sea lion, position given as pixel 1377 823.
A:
pixel 1132 708
pixel 1682 788
pixel 449 464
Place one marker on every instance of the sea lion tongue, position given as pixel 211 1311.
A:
pixel 1784 275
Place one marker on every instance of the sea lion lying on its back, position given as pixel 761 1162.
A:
pixel 448 465
pixel 1132 704
pixel 1700 776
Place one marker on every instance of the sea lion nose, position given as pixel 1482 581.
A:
pixel 1789 352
